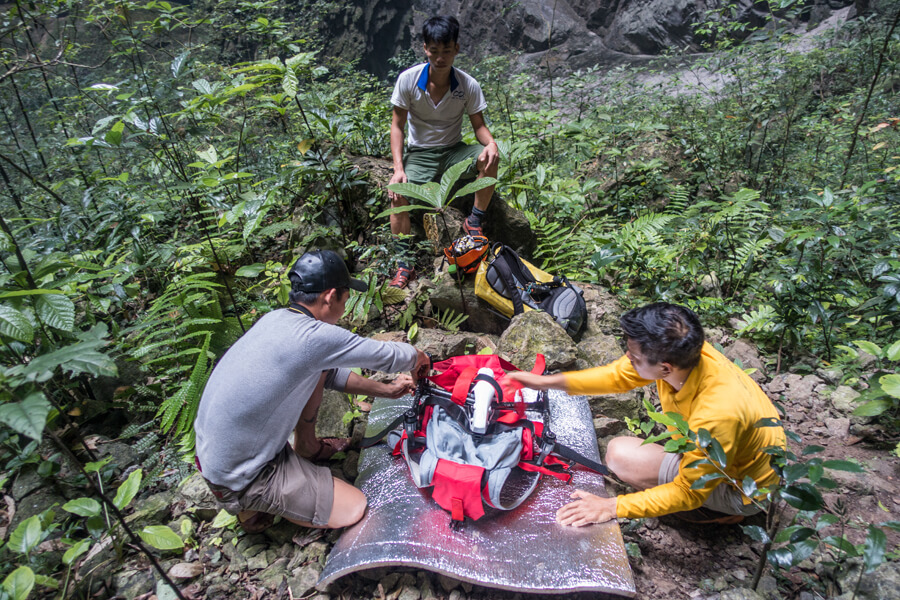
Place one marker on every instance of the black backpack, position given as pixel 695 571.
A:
pixel 513 285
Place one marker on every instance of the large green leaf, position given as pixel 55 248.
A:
pixel 873 554
pixel 27 417
pixel 892 352
pixel 75 551
pixel 57 311
pixel 891 384
pixel 756 533
pixel 448 180
pixel 81 357
pixel 223 519
pixel 15 325
pixel 83 507
pixel 19 583
pixel 18 293
pixel 26 536
pixel 429 193
pixel 161 537
pixel 128 490
pixel 843 465
pixel 478 184
pixel 873 408
pixel 803 496
pixel 869 348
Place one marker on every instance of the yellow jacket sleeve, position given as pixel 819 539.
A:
pixel 616 377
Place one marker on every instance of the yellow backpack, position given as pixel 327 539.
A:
pixel 532 289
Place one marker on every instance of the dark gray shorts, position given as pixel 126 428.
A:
pixel 724 498
pixel 288 486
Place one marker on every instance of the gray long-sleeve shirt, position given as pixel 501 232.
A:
pixel 254 397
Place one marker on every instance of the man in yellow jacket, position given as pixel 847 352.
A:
pixel 666 345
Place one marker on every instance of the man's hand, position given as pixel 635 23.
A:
pixel 400 386
pixel 587 509
pixel 489 157
pixel 398 177
pixel 423 365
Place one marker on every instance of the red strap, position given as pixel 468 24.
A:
pixel 462 385
pixel 564 476
pixel 453 483
pixel 456 510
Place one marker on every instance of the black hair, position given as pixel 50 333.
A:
pixel 665 333
pixel 310 298
pixel 442 30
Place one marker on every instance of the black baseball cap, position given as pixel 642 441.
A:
pixel 322 270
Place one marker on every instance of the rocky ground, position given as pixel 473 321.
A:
pixel 670 559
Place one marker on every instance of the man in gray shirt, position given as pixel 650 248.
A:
pixel 270 383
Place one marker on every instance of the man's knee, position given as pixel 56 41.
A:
pixel 348 507
pixel 619 454
pixel 398 201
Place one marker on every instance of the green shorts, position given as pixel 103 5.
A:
pixel 428 164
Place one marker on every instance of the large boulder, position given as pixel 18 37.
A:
pixel 603 309
pixel 482 318
pixel 441 344
pixel 535 332
pixel 748 356
pixel 597 350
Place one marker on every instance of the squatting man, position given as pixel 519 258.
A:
pixel 666 345
pixel 270 383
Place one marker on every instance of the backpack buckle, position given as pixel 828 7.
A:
pixel 548 443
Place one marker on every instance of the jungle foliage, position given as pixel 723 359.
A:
pixel 161 163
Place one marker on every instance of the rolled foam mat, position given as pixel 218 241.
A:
pixel 523 550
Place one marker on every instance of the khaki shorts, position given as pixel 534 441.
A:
pixel 724 498
pixel 428 164
pixel 288 486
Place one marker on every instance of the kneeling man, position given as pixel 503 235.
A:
pixel 666 346
pixel 270 384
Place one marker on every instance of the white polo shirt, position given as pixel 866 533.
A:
pixel 431 125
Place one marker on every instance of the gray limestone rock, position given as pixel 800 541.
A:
pixel 329 423
pixel 604 311
pixel 442 344
pixel 842 398
pixel 617 406
pixel 152 510
pixel 605 426
pixel 130 583
pixel 199 497
pixel 26 482
pixel 446 295
pixel 838 428
pixel 748 355
pixel 274 574
pixel 740 594
pixel 881 584
pixel 535 332
pixel 597 350
pixel 303 579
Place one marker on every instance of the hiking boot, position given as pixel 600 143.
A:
pixel 703 516
pixel 471 229
pixel 403 277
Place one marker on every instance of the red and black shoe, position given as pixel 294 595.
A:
pixel 472 230
pixel 403 276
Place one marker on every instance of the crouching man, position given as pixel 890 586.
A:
pixel 666 345
pixel 270 384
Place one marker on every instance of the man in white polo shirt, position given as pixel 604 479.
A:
pixel 433 97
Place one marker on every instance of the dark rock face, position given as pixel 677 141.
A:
pixel 581 33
